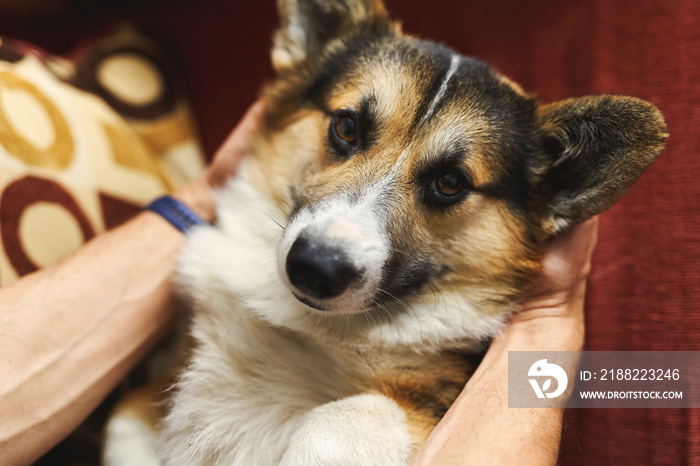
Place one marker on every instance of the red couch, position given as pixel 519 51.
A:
pixel 644 290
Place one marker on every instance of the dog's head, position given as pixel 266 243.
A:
pixel 421 184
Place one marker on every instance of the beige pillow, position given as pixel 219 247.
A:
pixel 85 141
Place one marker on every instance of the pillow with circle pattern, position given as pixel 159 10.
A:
pixel 86 139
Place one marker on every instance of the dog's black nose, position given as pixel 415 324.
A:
pixel 319 271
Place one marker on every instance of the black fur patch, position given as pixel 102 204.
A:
pixel 335 67
pixel 404 276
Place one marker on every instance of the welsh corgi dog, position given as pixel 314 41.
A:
pixel 392 212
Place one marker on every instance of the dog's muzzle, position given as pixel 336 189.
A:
pixel 318 270
pixel 332 254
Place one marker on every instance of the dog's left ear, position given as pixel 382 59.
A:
pixel 597 148
pixel 308 25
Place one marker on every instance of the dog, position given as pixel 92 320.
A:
pixel 393 210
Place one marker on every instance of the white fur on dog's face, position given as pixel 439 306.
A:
pixel 353 225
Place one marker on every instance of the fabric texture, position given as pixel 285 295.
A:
pixel 85 141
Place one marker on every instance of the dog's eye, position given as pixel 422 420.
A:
pixel 447 188
pixel 450 184
pixel 344 133
pixel 346 128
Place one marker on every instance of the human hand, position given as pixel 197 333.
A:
pixel 198 193
pixel 556 304
pixel 566 265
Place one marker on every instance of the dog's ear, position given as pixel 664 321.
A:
pixel 308 25
pixel 597 148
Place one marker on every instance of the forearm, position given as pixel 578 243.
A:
pixel 69 333
pixel 72 331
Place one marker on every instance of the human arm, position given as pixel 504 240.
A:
pixel 70 332
pixel 479 428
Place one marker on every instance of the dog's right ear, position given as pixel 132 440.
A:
pixel 597 148
pixel 308 25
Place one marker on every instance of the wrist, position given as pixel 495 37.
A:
pixel 553 322
pixel 197 195
pixel 548 329
pixel 545 332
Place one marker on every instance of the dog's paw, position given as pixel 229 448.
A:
pixel 368 429
pixel 131 436
pixel 130 441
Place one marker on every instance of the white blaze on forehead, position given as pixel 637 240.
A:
pixel 443 87
pixel 386 183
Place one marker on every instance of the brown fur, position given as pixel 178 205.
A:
pixel 425 391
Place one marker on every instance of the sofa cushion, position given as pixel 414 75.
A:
pixel 86 139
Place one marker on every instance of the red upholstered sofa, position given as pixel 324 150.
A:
pixel 644 290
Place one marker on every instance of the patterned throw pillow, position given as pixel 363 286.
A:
pixel 85 141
